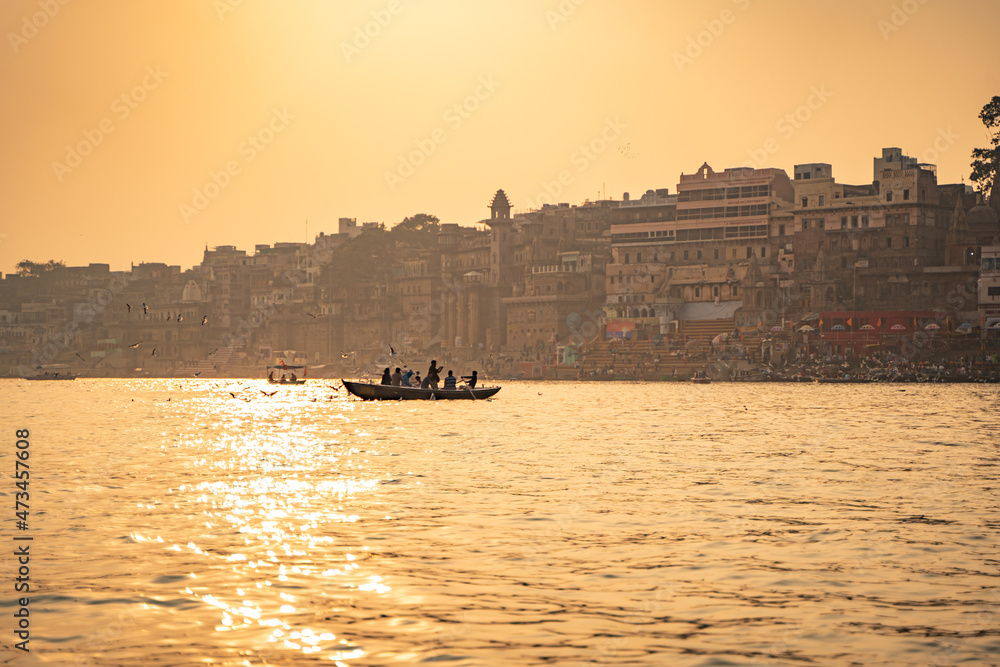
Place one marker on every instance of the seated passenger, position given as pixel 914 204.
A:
pixel 386 377
pixel 397 378
pixel 450 381
pixel 405 381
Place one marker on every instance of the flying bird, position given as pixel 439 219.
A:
pixel 233 394
pixel 197 374
pixel 135 345
pixel 129 306
pixel 179 318
pixel 392 352
pixel 313 315
pixel 267 394
pixel 144 310
pixel 169 316
pixel 343 354
pixel 153 353
pixel 78 354
pixel 204 320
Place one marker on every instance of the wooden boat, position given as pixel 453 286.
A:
pixel 52 376
pixel 700 377
pixel 286 372
pixel 380 392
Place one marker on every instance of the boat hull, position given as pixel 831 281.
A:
pixel 270 381
pixel 384 392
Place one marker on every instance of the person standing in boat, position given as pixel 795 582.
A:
pixel 386 377
pixel 397 378
pixel 450 382
pixel 471 380
pixel 432 378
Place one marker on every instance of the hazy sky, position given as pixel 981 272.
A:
pixel 140 130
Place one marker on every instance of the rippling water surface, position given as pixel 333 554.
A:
pixel 558 524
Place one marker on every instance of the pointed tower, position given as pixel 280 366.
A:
pixel 500 240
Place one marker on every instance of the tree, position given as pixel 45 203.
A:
pixel 28 268
pixel 986 161
pixel 421 229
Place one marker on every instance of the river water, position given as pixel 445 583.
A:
pixel 558 524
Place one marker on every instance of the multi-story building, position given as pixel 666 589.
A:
pixel 687 262
pixel 989 289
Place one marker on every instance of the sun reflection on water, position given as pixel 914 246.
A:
pixel 273 498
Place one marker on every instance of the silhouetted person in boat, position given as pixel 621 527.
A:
pixel 396 378
pixel 270 376
pixel 294 378
pixel 432 377
pixel 471 380
pixel 386 377
pixel 416 382
pixel 451 381
pixel 405 382
pixel 283 377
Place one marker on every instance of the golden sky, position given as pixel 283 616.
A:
pixel 141 130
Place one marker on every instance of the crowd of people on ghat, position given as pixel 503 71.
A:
pixel 431 379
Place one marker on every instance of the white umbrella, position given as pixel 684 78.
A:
pixel 806 329
pixel 932 327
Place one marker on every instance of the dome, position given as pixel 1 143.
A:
pixel 983 217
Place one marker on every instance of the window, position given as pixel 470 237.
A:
pixel 822 199
pixel 715 291
pixel 734 252
pixel 626 258
pixel 781 230
pixel 735 290
pixel 805 202
pixel 906 241
pixel 697 292
pixel 906 194
pixel 749 252
pixel 685 254
pixel 638 258
pixel 763 251
pixel 716 254
pixel 699 254
pixel 822 223
pixel 854 221
pixel 888 242
pixel 864 221
pixel 993 291
pixel 888 195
